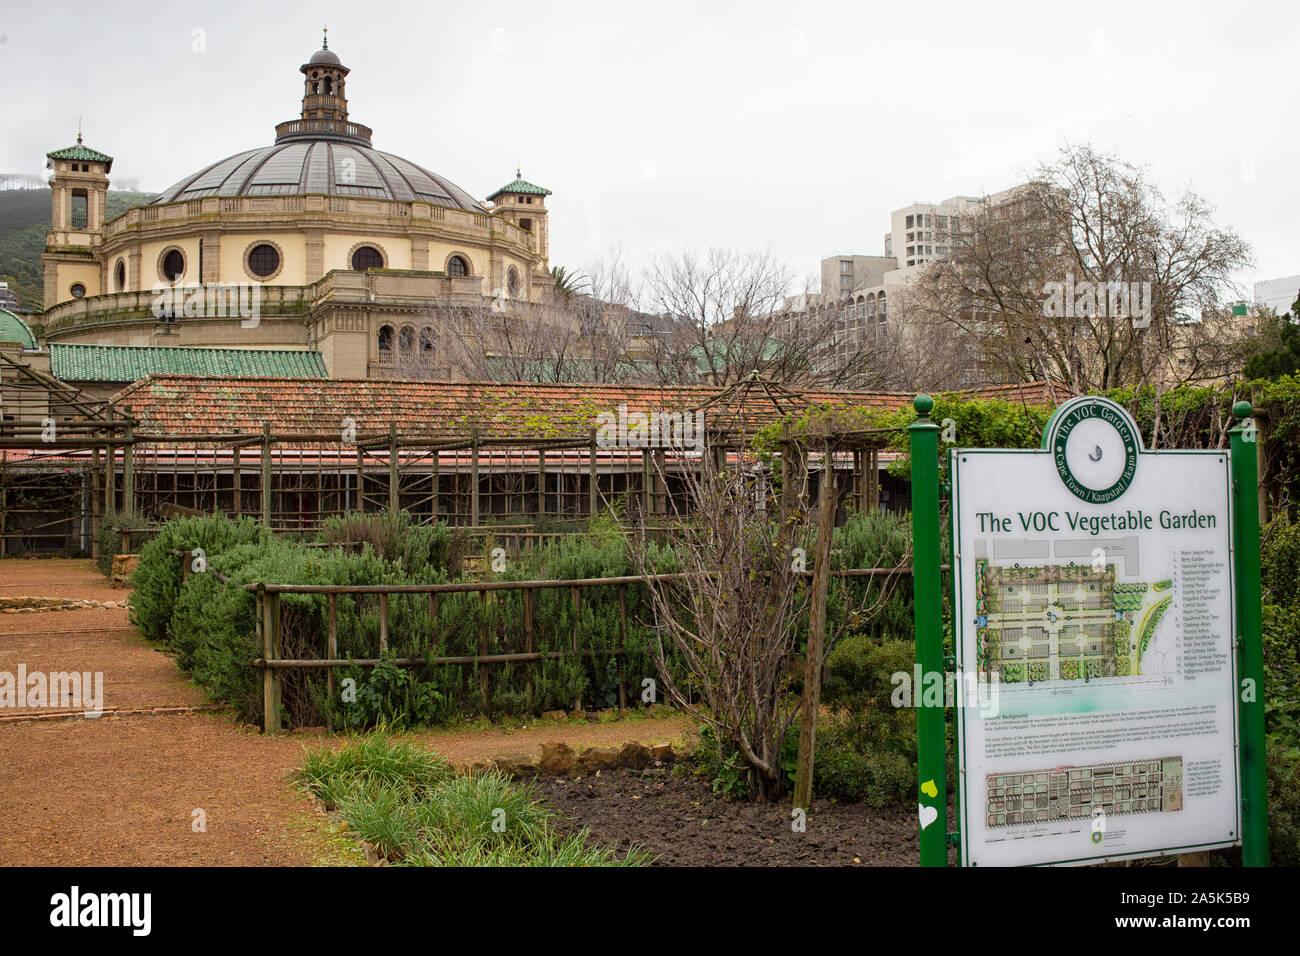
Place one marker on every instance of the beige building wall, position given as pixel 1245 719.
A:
pixel 339 246
pixel 293 257
pixel 68 274
pixel 151 264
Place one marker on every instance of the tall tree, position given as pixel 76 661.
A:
pixel 1088 275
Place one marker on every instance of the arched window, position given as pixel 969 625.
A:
pixel 512 282
pixel 173 265
pixel 871 307
pixel 367 257
pixel 385 338
pixel 263 260
pixel 119 275
pixel 426 341
pixel 881 302
pixel 457 266
pixel 406 338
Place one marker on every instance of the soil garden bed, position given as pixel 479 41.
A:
pixel 683 823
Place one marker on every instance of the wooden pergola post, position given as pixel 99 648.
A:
pixel 270 652
pixel 591 477
pixel 110 467
pixel 660 479
pixel 473 481
pixel 236 479
pixel 647 483
pixel 128 468
pixel 95 488
pixel 812 681
pixel 541 482
pixel 393 499
pixel 266 480
pixel 873 485
pixel 361 479
pixel 434 483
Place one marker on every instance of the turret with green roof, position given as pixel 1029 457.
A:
pixel 524 204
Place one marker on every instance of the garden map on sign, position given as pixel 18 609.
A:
pixel 1045 623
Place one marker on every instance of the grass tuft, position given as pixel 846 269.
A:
pixel 415 810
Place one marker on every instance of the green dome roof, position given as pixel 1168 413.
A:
pixel 14 329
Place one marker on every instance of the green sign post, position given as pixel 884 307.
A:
pixel 932 776
pixel 1108 450
pixel 1250 639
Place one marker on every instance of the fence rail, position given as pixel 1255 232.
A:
pixel 269 626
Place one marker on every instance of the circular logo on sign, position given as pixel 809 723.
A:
pixel 1095 446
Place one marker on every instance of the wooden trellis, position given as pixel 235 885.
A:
pixel 103 460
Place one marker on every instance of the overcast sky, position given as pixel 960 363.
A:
pixel 671 124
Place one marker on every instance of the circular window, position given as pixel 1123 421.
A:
pixel 263 260
pixel 457 266
pixel 119 275
pixel 173 265
pixel 512 282
pixel 367 257
pixel 78 290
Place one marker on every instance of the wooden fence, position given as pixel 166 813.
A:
pixel 269 622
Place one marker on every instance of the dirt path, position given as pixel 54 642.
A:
pixel 124 790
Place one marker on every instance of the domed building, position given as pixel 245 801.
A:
pixel 318 242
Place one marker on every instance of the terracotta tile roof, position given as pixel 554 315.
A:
pixel 1042 393
pixel 180 404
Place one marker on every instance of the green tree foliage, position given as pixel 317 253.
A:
pixel 1280 356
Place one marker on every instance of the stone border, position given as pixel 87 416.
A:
pixel 162 277
pixel 373 244
pixel 31 717
pixel 248 250
pixel 560 760
pixel 35 605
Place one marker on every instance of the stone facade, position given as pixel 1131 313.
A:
pixel 361 245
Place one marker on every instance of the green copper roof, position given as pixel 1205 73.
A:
pixel 80 152
pixel 521 185
pixel 14 329
pixel 126 363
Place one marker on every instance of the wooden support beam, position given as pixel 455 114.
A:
pixel 592 477
pixel 473 481
pixel 128 468
pixel 393 499
pixel 482 650
pixel 577 622
pixel 528 642
pixel 270 652
pixel 435 487
pixel 541 482
pixel 332 651
pixel 812 682
pixel 110 473
pixel 266 474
